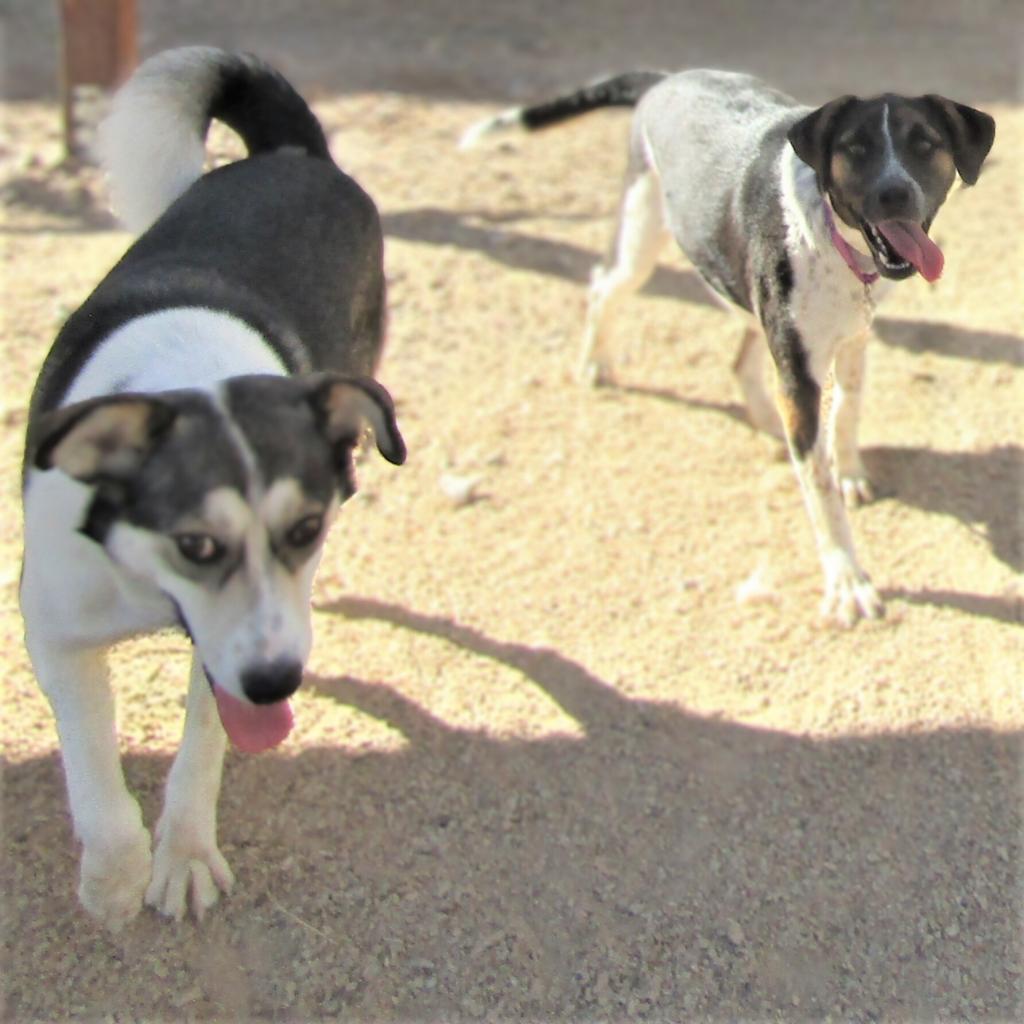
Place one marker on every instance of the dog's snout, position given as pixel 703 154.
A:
pixel 273 682
pixel 894 199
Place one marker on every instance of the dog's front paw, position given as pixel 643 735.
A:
pixel 849 596
pixel 113 877
pixel 187 869
pixel 856 489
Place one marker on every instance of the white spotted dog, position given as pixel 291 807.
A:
pixel 189 443
pixel 793 216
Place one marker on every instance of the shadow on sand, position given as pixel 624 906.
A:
pixel 654 865
pixel 981 489
pixel 78 207
pixel 950 340
pixel 482 232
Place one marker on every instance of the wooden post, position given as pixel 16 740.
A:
pixel 98 47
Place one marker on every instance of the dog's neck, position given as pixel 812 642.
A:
pixel 811 221
pixel 857 261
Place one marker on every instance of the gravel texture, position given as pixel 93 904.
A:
pixel 574 745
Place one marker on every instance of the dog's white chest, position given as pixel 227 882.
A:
pixel 828 301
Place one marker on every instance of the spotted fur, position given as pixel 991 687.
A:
pixel 746 180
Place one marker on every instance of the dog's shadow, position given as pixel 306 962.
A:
pixel 485 232
pixel 951 340
pixel 479 231
pixel 640 862
pixel 669 396
pixel 61 196
pixel 980 489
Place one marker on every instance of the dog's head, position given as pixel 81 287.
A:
pixel 887 164
pixel 222 501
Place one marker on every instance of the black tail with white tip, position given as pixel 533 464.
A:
pixel 152 144
pixel 624 90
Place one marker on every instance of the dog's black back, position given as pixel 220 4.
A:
pixel 324 281
pixel 284 240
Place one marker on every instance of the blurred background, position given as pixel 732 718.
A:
pixel 496 51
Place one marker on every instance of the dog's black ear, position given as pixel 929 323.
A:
pixel 972 133
pixel 343 406
pixel 100 439
pixel 811 137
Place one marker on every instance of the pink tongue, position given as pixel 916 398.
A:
pixel 253 728
pixel 910 241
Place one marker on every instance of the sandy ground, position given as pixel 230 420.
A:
pixel 547 765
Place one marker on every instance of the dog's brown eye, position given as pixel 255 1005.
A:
pixel 305 531
pixel 856 149
pixel 199 548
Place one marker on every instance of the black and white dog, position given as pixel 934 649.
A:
pixel 793 216
pixel 190 440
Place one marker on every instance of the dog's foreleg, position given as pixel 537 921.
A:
pixel 850 363
pixel 187 865
pixel 640 237
pixel 849 592
pixel 116 858
pixel 749 370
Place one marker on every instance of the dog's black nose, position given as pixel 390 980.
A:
pixel 273 682
pixel 894 199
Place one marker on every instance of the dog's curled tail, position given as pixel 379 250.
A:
pixel 623 90
pixel 152 143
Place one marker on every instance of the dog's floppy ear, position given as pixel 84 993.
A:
pixel 344 405
pixel 100 439
pixel 972 133
pixel 811 137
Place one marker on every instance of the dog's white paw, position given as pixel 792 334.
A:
pixel 856 489
pixel 113 877
pixel 188 870
pixel 849 596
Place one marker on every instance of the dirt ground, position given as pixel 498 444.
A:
pixel 549 764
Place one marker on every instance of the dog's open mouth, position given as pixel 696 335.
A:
pixel 900 247
pixel 252 728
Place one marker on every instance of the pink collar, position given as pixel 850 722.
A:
pixel 850 256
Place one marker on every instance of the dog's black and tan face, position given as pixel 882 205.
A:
pixel 887 165
pixel 222 500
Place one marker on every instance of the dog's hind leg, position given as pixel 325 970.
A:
pixel 749 370
pixel 187 865
pixel 640 238
pixel 849 382
pixel 116 859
